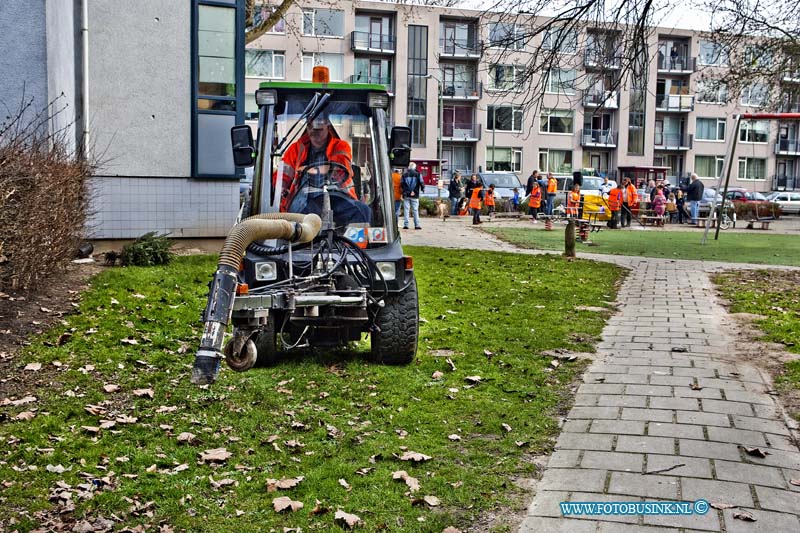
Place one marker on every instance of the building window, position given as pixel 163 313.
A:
pixel 755 95
pixel 261 12
pixel 708 166
pixel 712 53
pixel 758 56
pixel 323 22
pixel 752 168
pixel 506 77
pixel 264 64
pixel 556 121
pixel 710 129
pixel 334 62
pixel 504 118
pixel 561 39
pixel 555 161
pixel 561 81
pixel 754 131
pixel 416 105
pixel 712 92
pixel 500 159
pixel 507 35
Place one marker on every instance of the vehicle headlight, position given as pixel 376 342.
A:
pixel 266 271
pixel 378 100
pixel 388 269
pixel 266 97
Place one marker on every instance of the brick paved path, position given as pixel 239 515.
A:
pixel 645 408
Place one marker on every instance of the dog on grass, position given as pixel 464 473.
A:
pixel 442 210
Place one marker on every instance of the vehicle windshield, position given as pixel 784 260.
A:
pixel 591 183
pixel 332 155
pixel 755 196
pixel 502 180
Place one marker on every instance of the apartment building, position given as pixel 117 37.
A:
pixel 466 68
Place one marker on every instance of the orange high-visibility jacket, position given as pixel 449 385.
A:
pixel 633 198
pixel 615 199
pixel 475 200
pixel 488 198
pixel 398 191
pixel 535 199
pixel 338 151
pixel 573 201
pixel 552 186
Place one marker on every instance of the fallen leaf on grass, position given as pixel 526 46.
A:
pixel 216 455
pixel 438 374
pixel 144 393
pixel 345 484
pixel 125 419
pixel 744 515
pixel 167 409
pixel 432 501
pixel 364 471
pixel 521 443
pixel 222 482
pixel 414 456
pixel 294 444
pixel 506 427
pixel 284 502
pixel 180 468
pixel 473 379
pixel 347 520
pixel 129 341
pixel 186 437
pixel 454 437
pixel 333 432
pixel 756 452
pixel 318 509
pixel 94 409
pixel 63 338
pixel 451 363
pixel 451 529
pixel 283 483
pixel 107 424
pixel 24 416
pixel 91 429
pixel 58 469
pixel 412 482
pixel 33 367
pixel 110 388
pixel 21 401
pixel 720 505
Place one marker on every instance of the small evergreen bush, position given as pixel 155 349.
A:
pixel 148 250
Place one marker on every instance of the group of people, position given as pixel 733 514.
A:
pixel 470 195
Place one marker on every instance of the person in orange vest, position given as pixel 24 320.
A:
pixel 489 200
pixel 552 189
pixel 629 200
pixel 614 205
pixel 535 202
pixel 475 200
pixel 398 191
pixel 574 201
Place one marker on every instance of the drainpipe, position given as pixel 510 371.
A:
pixel 85 75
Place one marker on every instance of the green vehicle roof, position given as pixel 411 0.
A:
pixel 295 85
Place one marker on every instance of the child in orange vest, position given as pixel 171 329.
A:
pixel 489 200
pixel 574 201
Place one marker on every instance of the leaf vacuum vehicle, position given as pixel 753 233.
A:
pixel 314 260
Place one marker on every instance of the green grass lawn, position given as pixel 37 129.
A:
pixel 758 248
pixel 323 417
pixel 776 296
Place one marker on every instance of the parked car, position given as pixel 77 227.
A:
pixel 709 196
pixel 738 194
pixel 789 201
pixel 591 186
pixel 504 184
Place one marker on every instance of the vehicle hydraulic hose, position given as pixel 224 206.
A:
pixel 288 226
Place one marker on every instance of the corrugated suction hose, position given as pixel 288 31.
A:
pixel 288 226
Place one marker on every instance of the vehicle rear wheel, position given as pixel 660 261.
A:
pixel 394 342
pixel 266 345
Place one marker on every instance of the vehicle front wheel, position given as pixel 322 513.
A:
pixel 266 344
pixel 394 341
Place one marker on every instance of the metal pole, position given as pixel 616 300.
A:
pixel 85 75
pixel 728 174
pixel 441 131
pixel 494 129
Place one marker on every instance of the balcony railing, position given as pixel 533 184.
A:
pixel 781 182
pixel 607 138
pixel 595 98
pixel 676 64
pixel 675 102
pixel 462 91
pixel 372 42
pixel 600 59
pixel 672 141
pixel 386 81
pixel 787 147
pixel 461 131
pixel 459 48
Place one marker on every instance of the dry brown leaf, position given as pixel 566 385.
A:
pixel 695 386
pixel 125 419
pixel 63 338
pixel 451 529
pixel 347 520
pixel 333 432
pixel 414 456
pixel 521 443
pixel 283 483
pixel 293 444
pixel 318 509
pixel 94 409
pixel 345 484
pixel 181 468
pixel 451 363
pixel 144 393
pixel 433 501
pixel 186 437
pixel 756 452
pixel 21 401
pixel 285 503
pixel 364 471
pixel 33 367
pixel 216 455
pixel 111 387
pixel 107 424
pixel 744 515
pixel 438 375
pixel 454 437
pixel 795 482
pixel 506 427
pixel 473 379
pixel 554 363
pixel 222 482
pixel 457 484
pixel 129 341
pixel 167 409
pixel 412 482
pixel 152 468
pixel 720 505
pixel 25 416
pixel 401 433
pixel 91 429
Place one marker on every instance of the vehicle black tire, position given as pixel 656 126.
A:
pixel 395 342
pixel 266 344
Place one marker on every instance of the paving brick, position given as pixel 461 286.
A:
pixel 712 450
pixel 684 431
pixel 656 415
pixel 767 522
pixel 694 467
pixel 631 462
pixel 639 444
pixel 618 427
pixel 546 503
pixel 766 411
pixel 781 458
pixel 584 441
pixel 608 368
pixel 698 522
pixel 725 384
pixel 586 400
pixel 607 400
pixel 647 370
pixel 749 397
pixel 594 413
pixel 601 388
pixel 736 436
pixel 576 426
pixel 564 459
pixel 760 424
pixel 769 476
pixel 780 442
pixel 572 478
pixel 688 392
pixel 791 474
pixel 727 407
pixel 694 372
pixel 679 381
pixel 648 390
pixel 606 527
pixel 637 379
pixel 716 491
pixel 704 419
pixel 687 404
pixel 596 497
pixel 539 524
pixel 653 486
pixel 778 500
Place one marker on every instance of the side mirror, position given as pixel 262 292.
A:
pixel 243 149
pixel 400 146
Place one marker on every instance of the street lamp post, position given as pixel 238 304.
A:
pixel 440 130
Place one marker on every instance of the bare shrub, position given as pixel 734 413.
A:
pixel 43 198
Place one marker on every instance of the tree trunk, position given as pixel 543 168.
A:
pixel 569 239
pixel 267 25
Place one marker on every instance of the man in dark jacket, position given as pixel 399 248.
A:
pixel 456 192
pixel 694 194
pixel 533 181
pixel 412 185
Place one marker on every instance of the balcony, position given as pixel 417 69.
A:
pixel 462 91
pixel 598 138
pixel 464 132
pixel 672 141
pixel 605 99
pixel 791 76
pixel 677 65
pixel 597 59
pixel 460 48
pixel 362 41
pixel 787 147
pixel 785 183
pixel 386 81
pixel 681 103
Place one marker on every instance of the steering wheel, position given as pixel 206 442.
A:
pixel 336 173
